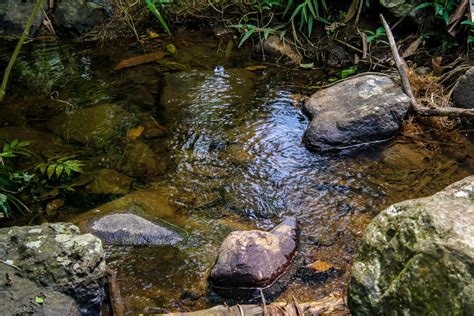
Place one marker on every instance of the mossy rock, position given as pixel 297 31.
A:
pixel 417 257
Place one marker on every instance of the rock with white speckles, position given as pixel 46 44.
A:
pixel 255 259
pixel 58 259
pixel 417 257
pixel 356 112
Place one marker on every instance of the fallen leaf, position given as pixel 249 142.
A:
pixel 39 300
pixel 139 60
pixel 413 47
pixel 134 133
pixel 307 66
pixel 437 68
pixel 352 10
pixel 321 266
pixel 256 68
pixel 170 48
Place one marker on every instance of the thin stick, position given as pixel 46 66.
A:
pixel 23 37
pixel 402 70
pixel 115 296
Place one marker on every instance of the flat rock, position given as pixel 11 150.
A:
pixel 130 229
pixel 255 258
pixel 59 259
pixel 417 257
pixel 463 93
pixel 356 112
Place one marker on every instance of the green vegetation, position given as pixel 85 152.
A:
pixel 152 6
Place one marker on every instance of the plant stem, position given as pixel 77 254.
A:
pixel 23 37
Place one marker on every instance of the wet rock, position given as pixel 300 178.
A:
pixel 274 46
pixel 19 296
pixel 403 156
pixel 58 258
pixel 417 257
pixel 153 131
pixel 79 17
pixel 98 126
pixel 42 143
pixel 463 93
pixel 14 14
pixel 401 8
pixel 109 181
pixel 141 96
pixel 255 258
pixel 356 112
pixel 130 229
pixel 140 161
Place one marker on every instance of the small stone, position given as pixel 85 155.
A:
pixel 255 258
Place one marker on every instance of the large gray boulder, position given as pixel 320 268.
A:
pixel 463 93
pixel 73 17
pixel 58 258
pixel 417 257
pixel 254 259
pixel 359 111
pixel 130 229
pixel 15 13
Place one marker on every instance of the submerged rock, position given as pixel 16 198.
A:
pixel 403 157
pixel 255 258
pixel 463 93
pixel 417 257
pixel 356 112
pixel 140 161
pixel 98 126
pixel 109 181
pixel 80 17
pixel 14 14
pixel 58 258
pixel 130 229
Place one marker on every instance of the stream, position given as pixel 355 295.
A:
pixel 231 158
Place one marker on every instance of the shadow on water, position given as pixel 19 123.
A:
pixel 234 161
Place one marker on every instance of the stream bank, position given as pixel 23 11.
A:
pixel 202 143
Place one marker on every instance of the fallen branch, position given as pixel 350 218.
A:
pixel 331 305
pixel 403 71
pixel 116 301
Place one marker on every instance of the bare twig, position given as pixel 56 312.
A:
pixel 402 69
pixel 115 297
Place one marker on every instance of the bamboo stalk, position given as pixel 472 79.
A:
pixel 26 32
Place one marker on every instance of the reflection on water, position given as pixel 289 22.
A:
pixel 237 162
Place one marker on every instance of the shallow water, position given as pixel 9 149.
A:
pixel 234 161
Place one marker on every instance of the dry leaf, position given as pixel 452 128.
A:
pixel 437 68
pixel 413 47
pixel 456 18
pixel 134 133
pixel 352 10
pixel 320 266
pixel 256 68
pixel 139 60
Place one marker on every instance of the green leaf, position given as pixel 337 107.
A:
pixel 170 48
pixel 59 170
pixel 246 36
pixel 39 300
pixel 307 66
pixel 347 72
pixel 50 170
